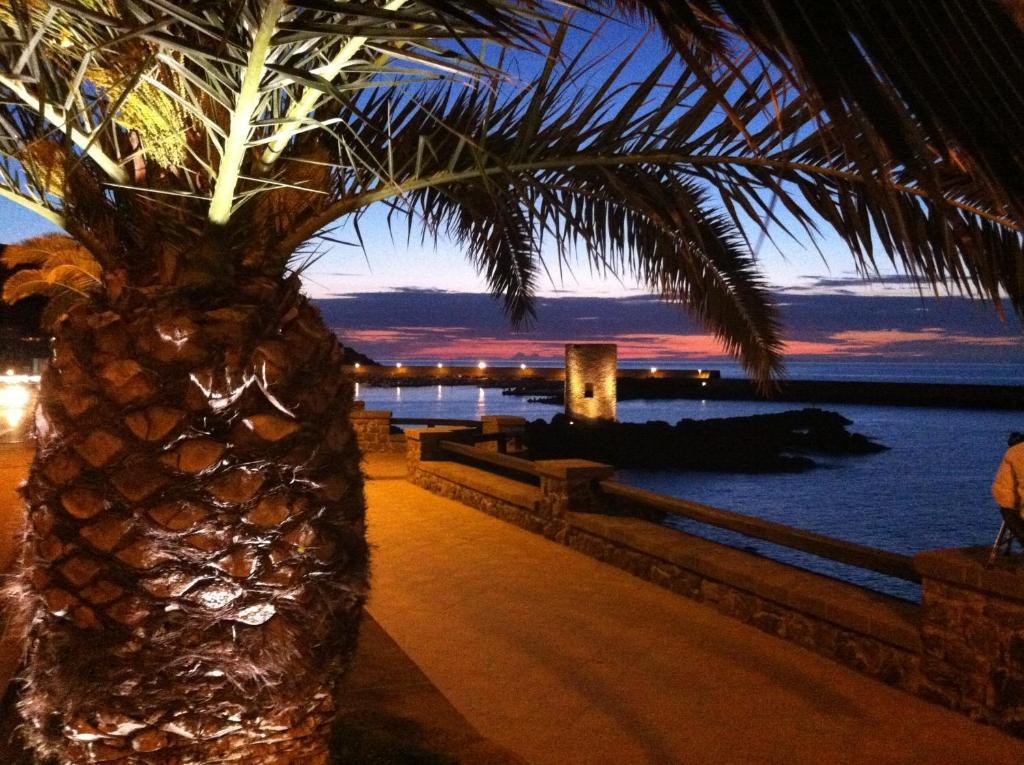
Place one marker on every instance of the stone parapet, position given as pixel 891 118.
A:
pixel 514 429
pixel 552 487
pixel 424 444
pixel 867 631
pixel 972 632
pixel 571 486
pixel 481 495
pixel 373 430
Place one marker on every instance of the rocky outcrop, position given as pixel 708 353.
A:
pixel 761 443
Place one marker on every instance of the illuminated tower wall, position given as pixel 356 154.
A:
pixel 590 371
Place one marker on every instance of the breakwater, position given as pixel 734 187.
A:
pixel 547 384
pixel 488 375
pixel 1007 397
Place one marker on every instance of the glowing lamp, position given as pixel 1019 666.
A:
pixel 522 366
pixel 398 365
pixel 440 365
pixel 356 365
pixel 654 370
pixel 482 365
pixel 14 396
pixel 15 399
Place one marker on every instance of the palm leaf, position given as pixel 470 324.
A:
pixel 186 135
pixel 931 81
pixel 57 265
pixel 589 170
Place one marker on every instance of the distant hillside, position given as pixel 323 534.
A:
pixel 352 356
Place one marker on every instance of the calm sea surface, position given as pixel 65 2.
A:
pixel 930 490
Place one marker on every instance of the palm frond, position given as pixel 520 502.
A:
pixel 188 142
pixel 53 266
pixel 593 168
pixel 182 99
pixel 930 81
pixel 498 236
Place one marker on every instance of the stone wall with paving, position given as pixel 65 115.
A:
pixel 876 635
pixel 962 646
pixel 373 431
pixel 972 635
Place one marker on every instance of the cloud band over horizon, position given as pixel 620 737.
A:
pixel 429 324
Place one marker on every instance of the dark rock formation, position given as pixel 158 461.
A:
pixel 761 443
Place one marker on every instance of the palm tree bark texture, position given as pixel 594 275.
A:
pixel 194 566
pixel 195 561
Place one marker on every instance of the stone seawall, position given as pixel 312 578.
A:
pixel 870 633
pixel 961 647
pixel 373 431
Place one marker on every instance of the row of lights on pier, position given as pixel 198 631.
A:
pixel 479 365
pixel 483 365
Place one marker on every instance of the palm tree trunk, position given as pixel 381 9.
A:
pixel 195 559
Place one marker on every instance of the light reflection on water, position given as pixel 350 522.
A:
pixel 930 490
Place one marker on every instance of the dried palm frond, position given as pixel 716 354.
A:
pixel 52 266
pixel 46 160
pixel 160 122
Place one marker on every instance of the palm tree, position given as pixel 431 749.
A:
pixel 195 564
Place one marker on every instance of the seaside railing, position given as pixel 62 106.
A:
pixel 926 646
pixel 831 548
pixel 435 422
pixel 645 504
pixel 521 469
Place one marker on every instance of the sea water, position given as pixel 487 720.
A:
pixel 929 490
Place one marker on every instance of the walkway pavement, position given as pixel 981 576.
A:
pixel 14 460
pixel 390 711
pixel 566 660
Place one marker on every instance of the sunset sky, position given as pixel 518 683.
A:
pixel 405 300
pixel 400 302
pixel 825 321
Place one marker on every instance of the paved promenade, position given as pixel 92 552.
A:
pixel 14 460
pixel 568 661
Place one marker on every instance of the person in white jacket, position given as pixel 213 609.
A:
pixel 1008 487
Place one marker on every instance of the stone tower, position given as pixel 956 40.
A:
pixel 590 372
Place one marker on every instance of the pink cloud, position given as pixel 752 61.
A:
pixel 460 343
